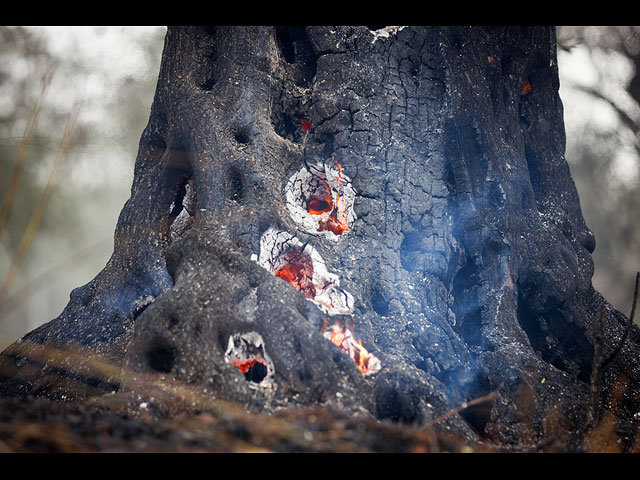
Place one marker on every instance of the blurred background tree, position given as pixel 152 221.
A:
pixel 600 90
pixel 109 74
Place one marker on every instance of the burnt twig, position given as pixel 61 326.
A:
pixel 464 406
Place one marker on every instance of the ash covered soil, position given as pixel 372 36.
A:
pixel 106 424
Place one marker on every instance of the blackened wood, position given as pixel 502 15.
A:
pixel 469 261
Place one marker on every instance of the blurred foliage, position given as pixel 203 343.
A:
pixel 600 89
pixel 109 75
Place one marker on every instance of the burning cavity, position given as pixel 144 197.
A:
pixel 342 337
pixel 301 265
pixel 246 352
pixel 320 199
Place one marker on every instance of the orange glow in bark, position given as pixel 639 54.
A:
pixel 337 222
pixel 245 365
pixel 318 206
pixel 298 271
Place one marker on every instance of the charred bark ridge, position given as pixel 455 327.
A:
pixel 437 223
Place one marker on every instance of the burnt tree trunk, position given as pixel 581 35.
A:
pixel 405 187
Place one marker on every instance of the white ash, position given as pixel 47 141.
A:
pixel 311 181
pixel 331 299
pixel 385 32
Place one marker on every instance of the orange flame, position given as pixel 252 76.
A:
pixel 363 357
pixel 337 222
pixel 340 177
pixel 342 338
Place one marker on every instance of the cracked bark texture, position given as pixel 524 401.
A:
pixel 468 261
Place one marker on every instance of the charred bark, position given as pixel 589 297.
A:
pixel 408 184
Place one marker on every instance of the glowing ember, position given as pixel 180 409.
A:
pixel 318 206
pixel 298 271
pixel 342 338
pixel 246 365
pixel 302 266
pixel 337 223
pixel 320 199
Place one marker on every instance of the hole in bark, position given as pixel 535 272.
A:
pixel 301 266
pixel 236 184
pixel 256 372
pixel 241 135
pixel 246 351
pixel 182 210
pixel 466 306
pixel 286 118
pixel 161 357
pixel 379 302
pixel 478 416
pixel 285 43
pixel 208 84
pixel 205 70
pixel 375 27
pixel 173 322
pixel 320 199
pixel 297 52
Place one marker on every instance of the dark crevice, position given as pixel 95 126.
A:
pixel 299 65
pixel 182 207
pixel 160 356
pixel 205 67
pixel 256 373
pixel 176 205
pixel 466 305
pixel 557 341
pixel 379 302
pixel 479 415
pixel 297 52
pixel 285 43
pixel 287 115
pixel 241 135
